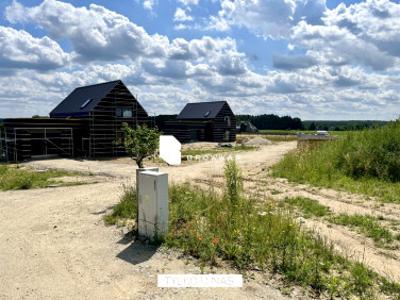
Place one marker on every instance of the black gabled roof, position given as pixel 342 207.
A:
pixel 201 110
pixel 73 105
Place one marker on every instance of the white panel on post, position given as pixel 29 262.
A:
pixel 153 204
pixel 170 150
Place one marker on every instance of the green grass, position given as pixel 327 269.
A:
pixel 309 207
pixel 230 227
pixel 366 162
pixel 366 225
pixel 217 150
pixel 15 178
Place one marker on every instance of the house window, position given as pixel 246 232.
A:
pixel 124 112
pixel 227 121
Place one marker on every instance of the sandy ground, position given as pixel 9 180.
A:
pixel 54 245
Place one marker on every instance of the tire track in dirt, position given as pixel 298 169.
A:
pixel 357 248
pixel 335 202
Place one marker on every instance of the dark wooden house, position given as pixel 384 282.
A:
pixel 85 124
pixel 203 121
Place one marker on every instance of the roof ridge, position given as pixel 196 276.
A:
pixel 206 102
pixel 96 84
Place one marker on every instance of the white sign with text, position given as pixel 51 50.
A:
pixel 200 280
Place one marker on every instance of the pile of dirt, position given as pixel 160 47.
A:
pixel 257 141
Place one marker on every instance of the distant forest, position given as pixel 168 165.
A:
pixel 341 125
pixel 272 122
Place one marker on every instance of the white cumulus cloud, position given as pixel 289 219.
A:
pixel 96 33
pixel 182 16
pixel 19 49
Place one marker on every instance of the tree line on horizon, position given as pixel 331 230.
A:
pixel 272 122
pixel 275 122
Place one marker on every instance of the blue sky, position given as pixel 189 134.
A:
pixel 314 59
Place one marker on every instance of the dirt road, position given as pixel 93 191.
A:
pixel 54 245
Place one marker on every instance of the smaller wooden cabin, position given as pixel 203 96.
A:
pixel 203 121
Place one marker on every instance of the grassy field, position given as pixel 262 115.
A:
pixel 236 229
pixel 366 162
pixel 15 178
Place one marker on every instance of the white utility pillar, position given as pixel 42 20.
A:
pixel 152 204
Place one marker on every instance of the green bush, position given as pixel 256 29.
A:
pixel 140 142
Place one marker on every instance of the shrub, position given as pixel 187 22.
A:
pixel 140 142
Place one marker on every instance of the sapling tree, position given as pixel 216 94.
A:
pixel 140 142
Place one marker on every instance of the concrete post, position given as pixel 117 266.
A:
pixel 138 171
pixel 152 204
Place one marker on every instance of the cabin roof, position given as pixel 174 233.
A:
pixel 83 99
pixel 201 110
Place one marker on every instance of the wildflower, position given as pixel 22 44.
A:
pixel 215 240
